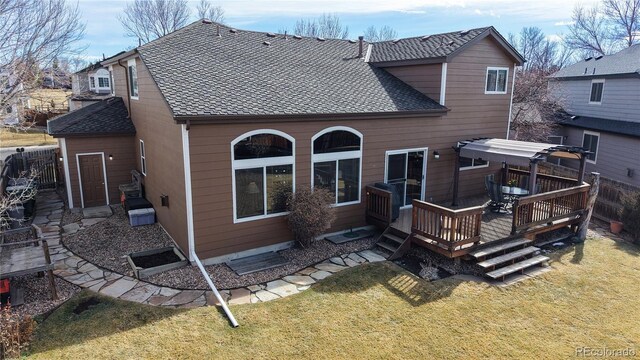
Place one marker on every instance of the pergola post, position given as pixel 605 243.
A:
pixel 533 174
pixel 456 177
pixel 583 165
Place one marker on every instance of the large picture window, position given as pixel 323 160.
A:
pixel 263 174
pixel 337 155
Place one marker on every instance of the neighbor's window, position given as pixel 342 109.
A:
pixel 596 91
pixel 590 142
pixel 469 163
pixel 263 174
pixel 337 154
pixel 133 78
pixel 496 80
pixel 143 158
pixel 92 82
pixel 103 82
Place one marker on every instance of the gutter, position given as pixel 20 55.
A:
pixel 235 119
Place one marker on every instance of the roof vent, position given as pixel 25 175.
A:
pixel 206 21
pixel 320 38
pixel 573 117
pixel 233 31
pixel 594 71
pixel 297 37
pixel 598 57
pixel 271 35
pixel 585 70
pixel 425 38
pixel 450 43
pixel 395 41
pixel 218 31
pixel 589 58
pixel 464 32
pixel 285 35
pixel 351 41
pixel 266 43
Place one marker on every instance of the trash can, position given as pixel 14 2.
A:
pixel 395 198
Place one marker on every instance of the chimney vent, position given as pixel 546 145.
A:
pixel 285 35
pixel 360 45
pixel 218 31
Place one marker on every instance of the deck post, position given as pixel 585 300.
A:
pixel 533 172
pixel 456 177
pixel 591 200
pixel 583 164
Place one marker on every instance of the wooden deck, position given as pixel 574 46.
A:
pixel 495 226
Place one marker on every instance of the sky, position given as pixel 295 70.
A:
pixel 104 34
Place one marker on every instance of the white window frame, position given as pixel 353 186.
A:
pixel 506 80
pixel 143 158
pixel 261 163
pixel 345 155
pixel 592 133
pixel 103 78
pixel 132 63
pixel 423 190
pixel 596 81
pixel 104 175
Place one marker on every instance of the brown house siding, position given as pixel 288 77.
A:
pixel 424 78
pixel 210 147
pixel 118 169
pixel 163 146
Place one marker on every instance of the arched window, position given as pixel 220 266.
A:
pixel 337 163
pixel 263 174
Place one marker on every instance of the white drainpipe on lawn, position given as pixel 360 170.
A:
pixel 223 304
pixel 192 244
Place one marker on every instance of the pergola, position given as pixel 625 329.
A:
pixel 513 152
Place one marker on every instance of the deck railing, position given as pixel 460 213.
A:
pixel 545 208
pixel 451 229
pixel 378 203
pixel 545 183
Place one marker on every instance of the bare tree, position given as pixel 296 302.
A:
pixel 10 202
pixel 372 34
pixel 326 26
pixel 207 10
pixel 541 53
pixel 607 28
pixel 150 19
pixel 32 35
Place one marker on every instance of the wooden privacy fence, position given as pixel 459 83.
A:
pixel 545 182
pixel 449 228
pixel 610 193
pixel 379 205
pixel 541 209
pixel 43 162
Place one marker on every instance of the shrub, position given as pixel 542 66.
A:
pixel 15 333
pixel 630 214
pixel 310 213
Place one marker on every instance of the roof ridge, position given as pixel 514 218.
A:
pixel 484 28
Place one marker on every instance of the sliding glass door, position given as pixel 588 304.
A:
pixel 406 170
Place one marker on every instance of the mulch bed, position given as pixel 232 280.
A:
pixel 108 242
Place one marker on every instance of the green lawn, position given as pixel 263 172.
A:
pixel 592 298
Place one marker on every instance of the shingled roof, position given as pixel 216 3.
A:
pixel 252 73
pixel 625 62
pixel 436 47
pixel 107 117
pixel 629 128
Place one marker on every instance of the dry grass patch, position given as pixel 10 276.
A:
pixel 380 311
pixel 31 137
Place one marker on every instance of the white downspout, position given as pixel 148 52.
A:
pixel 186 157
pixel 513 86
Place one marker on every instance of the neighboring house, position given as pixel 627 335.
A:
pixel 222 119
pixel 601 96
pixel 90 85
pixel 55 78
pixel 12 90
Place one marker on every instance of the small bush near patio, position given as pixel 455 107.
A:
pixel 630 215
pixel 310 214
pixel 15 333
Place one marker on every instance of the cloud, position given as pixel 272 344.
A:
pixel 486 13
pixel 564 23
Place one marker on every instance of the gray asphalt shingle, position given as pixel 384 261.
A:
pixel 106 117
pixel 237 73
pixel 626 61
pixel 630 128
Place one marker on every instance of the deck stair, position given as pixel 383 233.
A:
pixel 394 242
pixel 510 257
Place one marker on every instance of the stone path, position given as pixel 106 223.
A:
pixel 79 271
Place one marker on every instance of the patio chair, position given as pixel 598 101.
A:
pixel 498 201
